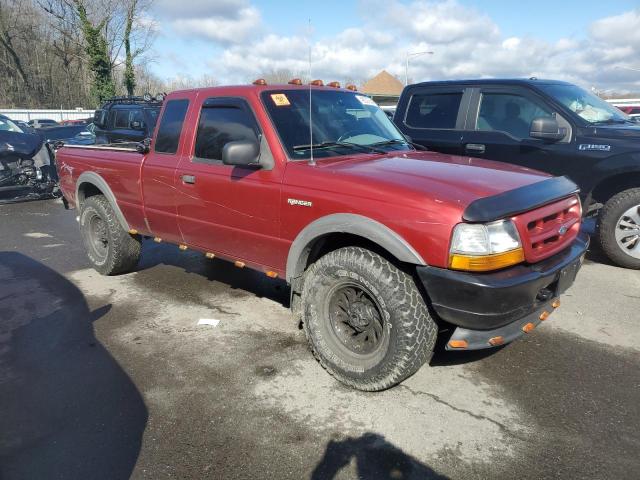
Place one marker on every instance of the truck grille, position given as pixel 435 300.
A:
pixel 549 229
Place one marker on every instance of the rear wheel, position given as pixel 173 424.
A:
pixel 365 319
pixel 619 228
pixel 110 248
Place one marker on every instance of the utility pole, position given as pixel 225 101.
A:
pixel 406 68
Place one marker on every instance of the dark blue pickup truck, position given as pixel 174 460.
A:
pixel 546 125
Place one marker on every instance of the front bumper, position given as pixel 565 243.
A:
pixel 487 305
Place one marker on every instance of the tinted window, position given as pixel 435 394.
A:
pixel 121 119
pixel 171 126
pixel 221 125
pixel 433 110
pixel 508 113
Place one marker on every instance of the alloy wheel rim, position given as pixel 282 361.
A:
pixel 628 232
pixel 98 236
pixel 356 318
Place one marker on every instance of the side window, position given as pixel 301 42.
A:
pixel 121 119
pixel 136 115
pixel 220 125
pixel 433 110
pixel 509 113
pixel 171 126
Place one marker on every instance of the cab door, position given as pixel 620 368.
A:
pixel 229 210
pixel 498 126
pixel 434 117
pixel 159 170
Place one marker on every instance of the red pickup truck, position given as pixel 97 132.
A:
pixel 385 246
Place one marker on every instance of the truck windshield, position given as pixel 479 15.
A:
pixel 590 107
pixel 343 123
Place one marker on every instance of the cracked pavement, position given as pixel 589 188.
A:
pixel 111 377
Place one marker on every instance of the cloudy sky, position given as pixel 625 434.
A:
pixel 588 42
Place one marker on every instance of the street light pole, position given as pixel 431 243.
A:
pixel 406 67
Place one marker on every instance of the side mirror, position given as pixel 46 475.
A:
pixel 546 128
pixel 100 118
pixel 137 125
pixel 241 153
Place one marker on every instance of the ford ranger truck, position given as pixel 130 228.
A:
pixel 385 247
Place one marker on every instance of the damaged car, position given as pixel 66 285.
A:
pixel 27 166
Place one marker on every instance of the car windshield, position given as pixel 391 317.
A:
pixel 590 107
pixel 343 123
pixel 8 126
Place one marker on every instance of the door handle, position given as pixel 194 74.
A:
pixel 475 147
pixel 188 179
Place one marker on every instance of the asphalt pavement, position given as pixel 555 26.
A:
pixel 113 378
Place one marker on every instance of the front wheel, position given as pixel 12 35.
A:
pixel 111 249
pixel 365 319
pixel 619 228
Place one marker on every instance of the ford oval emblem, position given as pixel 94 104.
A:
pixel 563 229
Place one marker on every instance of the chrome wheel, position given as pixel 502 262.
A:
pixel 628 232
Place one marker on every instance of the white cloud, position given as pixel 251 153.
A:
pixel 235 29
pixel 466 42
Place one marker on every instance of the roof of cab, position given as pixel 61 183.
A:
pixel 259 88
pixel 493 81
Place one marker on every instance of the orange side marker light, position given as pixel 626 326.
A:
pixel 528 327
pixel 458 343
pixel 495 341
pixel 556 303
pixel 239 264
pixel 544 315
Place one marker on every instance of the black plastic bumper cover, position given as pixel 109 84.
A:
pixel 486 301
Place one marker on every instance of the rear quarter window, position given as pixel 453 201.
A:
pixel 171 126
pixel 433 110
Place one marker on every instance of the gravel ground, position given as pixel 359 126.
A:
pixel 112 377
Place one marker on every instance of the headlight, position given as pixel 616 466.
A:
pixel 483 247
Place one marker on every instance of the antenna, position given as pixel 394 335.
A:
pixel 312 161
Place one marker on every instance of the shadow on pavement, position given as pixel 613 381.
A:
pixel 375 458
pixel 68 410
pixel 216 270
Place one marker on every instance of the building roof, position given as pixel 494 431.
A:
pixel 383 84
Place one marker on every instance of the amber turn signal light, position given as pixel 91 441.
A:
pixel 485 263
pixel 458 343
pixel 544 315
pixel 528 327
pixel 556 303
pixel 495 341
pixel 271 274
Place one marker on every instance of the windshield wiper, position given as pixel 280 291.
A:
pixel 367 148
pixel 398 141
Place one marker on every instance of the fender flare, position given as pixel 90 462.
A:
pixel 347 223
pixel 100 183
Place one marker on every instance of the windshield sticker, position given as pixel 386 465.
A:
pixel 280 99
pixel 594 147
pixel 366 101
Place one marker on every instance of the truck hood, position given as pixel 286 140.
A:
pixel 628 131
pixel 427 176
